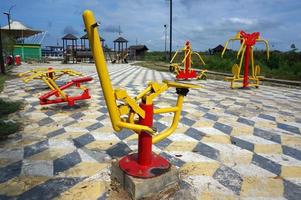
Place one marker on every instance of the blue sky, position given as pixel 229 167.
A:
pixel 206 23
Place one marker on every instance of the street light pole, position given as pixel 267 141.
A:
pixel 170 29
pixel 8 15
pixel 2 67
pixel 9 28
pixel 165 26
pixel 8 19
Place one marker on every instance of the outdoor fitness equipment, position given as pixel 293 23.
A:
pixel 187 72
pixel 49 76
pixel 245 51
pixel 63 97
pixel 124 110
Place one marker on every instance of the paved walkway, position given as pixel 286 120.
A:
pixel 230 144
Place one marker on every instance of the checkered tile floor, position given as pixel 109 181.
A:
pixel 230 144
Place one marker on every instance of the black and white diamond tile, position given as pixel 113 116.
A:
pixel 234 144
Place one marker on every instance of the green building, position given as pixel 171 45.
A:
pixel 20 32
pixel 28 51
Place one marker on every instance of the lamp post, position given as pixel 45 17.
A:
pixel 8 15
pixel 165 26
pixel 8 20
pixel 2 68
pixel 170 29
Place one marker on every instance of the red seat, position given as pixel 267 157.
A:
pixel 83 79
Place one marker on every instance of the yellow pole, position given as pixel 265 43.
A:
pixel 252 62
pixel 241 47
pixel 241 59
pixel 102 70
pixel 174 56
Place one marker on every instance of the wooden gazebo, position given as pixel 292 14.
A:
pixel 69 52
pixel 83 41
pixel 120 44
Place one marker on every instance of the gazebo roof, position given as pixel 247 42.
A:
pixel 19 30
pixel 69 36
pixel 86 37
pixel 120 39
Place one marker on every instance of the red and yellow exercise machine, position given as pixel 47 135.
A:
pixel 187 72
pixel 245 52
pixel 48 76
pixel 126 112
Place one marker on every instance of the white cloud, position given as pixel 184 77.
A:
pixel 205 23
pixel 242 21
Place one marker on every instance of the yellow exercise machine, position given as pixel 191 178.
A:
pixel 245 51
pixel 186 72
pixel 49 76
pixel 126 112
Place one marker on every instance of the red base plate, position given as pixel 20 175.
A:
pixel 129 164
pixel 186 75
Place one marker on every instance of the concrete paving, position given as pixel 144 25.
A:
pixel 230 144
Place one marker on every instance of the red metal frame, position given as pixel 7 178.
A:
pixel 187 72
pixel 71 100
pixel 250 40
pixel 145 163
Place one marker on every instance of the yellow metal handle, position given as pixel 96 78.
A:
pixel 242 48
pixel 176 110
pixel 266 45
pixel 227 43
pixel 200 57
pixel 177 113
pixel 174 56
pixel 103 74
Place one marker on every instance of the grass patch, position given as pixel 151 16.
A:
pixel 6 108
pixel 7 128
pixel 3 78
pixel 281 65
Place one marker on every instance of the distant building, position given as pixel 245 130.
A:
pixel 85 38
pixel 120 44
pixel 55 52
pixel 26 48
pixel 28 51
pixel 137 52
pixel 218 49
pixel 70 49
